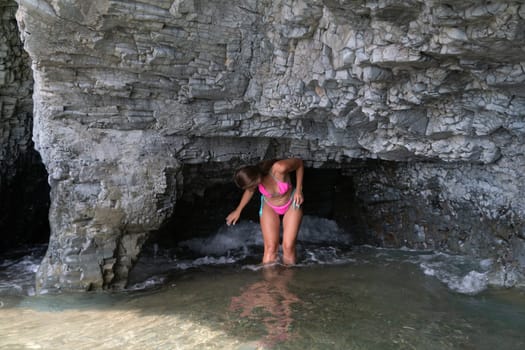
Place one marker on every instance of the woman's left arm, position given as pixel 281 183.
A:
pixel 287 166
pixel 299 173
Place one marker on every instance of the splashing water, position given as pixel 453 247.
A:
pixel 212 293
pixel 17 271
pixel 320 242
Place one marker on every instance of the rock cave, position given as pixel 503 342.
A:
pixel 409 115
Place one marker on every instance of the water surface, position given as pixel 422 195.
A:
pixel 211 294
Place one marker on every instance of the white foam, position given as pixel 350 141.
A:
pixel 472 283
pixel 205 261
pixel 149 283
pixel 486 264
pixel 325 256
pixel 232 244
pixel 17 275
pixel 429 271
pixel 227 239
pixel 461 274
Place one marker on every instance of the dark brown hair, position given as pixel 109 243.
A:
pixel 247 176
pixel 266 165
pixel 250 175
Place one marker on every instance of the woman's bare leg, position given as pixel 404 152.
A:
pixel 291 223
pixel 270 230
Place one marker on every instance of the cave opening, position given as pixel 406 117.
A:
pixel 376 202
pixel 208 195
pixel 24 190
pixel 24 204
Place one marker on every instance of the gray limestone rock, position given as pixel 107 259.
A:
pixel 24 194
pixel 125 92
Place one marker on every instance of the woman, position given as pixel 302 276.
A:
pixel 278 198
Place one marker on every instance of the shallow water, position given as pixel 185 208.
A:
pixel 211 294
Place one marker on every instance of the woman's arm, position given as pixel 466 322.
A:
pixel 234 216
pixel 282 167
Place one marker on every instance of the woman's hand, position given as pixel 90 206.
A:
pixel 298 199
pixel 233 217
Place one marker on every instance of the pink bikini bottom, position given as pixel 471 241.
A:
pixel 278 209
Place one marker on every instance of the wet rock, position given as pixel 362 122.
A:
pixel 24 193
pixel 143 87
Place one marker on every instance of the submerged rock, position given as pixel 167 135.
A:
pixel 128 92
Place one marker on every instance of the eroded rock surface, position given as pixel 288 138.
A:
pixel 127 91
pixel 24 198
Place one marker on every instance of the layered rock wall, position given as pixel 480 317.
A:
pixel 16 87
pixel 127 91
pixel 24 195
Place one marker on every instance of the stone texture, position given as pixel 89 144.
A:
pixel 126 92
pixel 15 94
pixel 24 198
pixel 451 207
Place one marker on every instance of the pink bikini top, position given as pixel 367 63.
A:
pixel 281 185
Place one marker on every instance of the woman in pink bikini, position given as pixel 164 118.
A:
pixel 278 198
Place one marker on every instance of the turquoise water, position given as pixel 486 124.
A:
pixel 339 297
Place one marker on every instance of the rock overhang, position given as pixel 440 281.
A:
pixel 126 92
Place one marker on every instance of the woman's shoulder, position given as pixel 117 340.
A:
pixel 281 166
pixel 266 166
pixel 287 165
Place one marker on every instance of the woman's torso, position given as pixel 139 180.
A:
pixel 276 190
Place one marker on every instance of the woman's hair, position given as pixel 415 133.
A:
pixel 250 175
pixel 266 165
pixel 247 176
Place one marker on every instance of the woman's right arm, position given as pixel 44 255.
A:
pixel 234 216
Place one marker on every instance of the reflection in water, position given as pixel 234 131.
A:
pixel 270 301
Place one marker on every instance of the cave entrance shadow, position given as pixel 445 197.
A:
pixel 203 205
pixel 24 204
